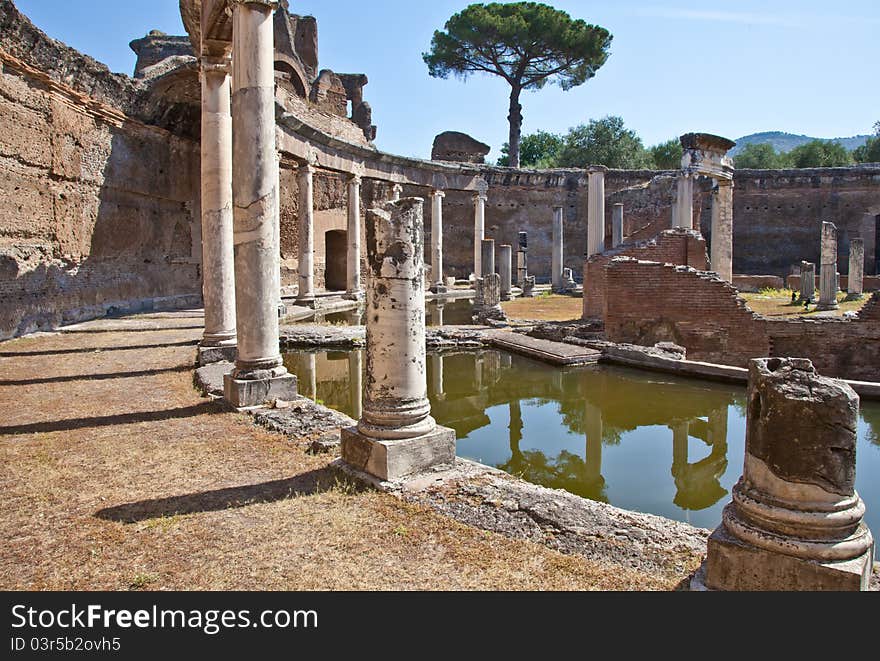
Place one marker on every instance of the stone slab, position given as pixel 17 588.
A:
pixel 555 353
pixel 734 565
pixel 209 378
pixel 258 392
pixel 210 355
pixel 392 460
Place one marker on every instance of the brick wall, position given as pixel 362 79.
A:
pixel 672 246
pixel 650 302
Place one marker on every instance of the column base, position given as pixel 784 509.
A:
pixel 438 289
pixel 732 564
pixel 823 307
pixel 246 393
pixel 391 460
pixel 854 297
pixel 354 295
pixel 307 302
pixel 505 296
pixel 210 355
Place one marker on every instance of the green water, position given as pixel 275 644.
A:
pixel 437 313
pixel 637 440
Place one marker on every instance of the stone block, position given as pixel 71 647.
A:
pixel 733 564
pixel 395 459
pixel 242 393
pixel 210 355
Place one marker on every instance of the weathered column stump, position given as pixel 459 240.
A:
pixel 396 436
pixel 795 521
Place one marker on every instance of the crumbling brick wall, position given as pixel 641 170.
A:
pixel 96 209
pixel 673 246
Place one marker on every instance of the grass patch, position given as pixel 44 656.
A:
pixel 777 303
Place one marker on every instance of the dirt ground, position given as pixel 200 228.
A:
pixel 117 475
pixel 545 308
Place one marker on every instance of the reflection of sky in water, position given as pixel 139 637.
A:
pixel 636 464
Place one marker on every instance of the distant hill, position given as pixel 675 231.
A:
pixel 783 142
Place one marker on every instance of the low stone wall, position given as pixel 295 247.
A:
pixel 755 283
pixel 870 283
pixel 673 246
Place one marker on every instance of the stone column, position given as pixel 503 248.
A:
pixel 259 375
pixel 616 225
pixel 396 435
pixel 522 263
pixel 356 382
pixel 828 282
pixel 684 202
pixel 556 262
pixel 808 281
pixel 353 261
pixel 795 521
pixel 438 286
pixel 505 268
pixel 855 279
pixel 218 270
pixel 487 256
pixel 479 229
pixel 722 230
pixel 595 212
pixel 306 235
pixel 396 192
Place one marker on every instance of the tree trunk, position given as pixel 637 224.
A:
pixel 515 118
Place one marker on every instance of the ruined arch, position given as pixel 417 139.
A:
pixel 288 66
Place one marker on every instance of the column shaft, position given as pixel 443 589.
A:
pixel 505 270
pixel 479 230
pixel 437 284
pixel 595 213
pixel 828 282
pixel 254 190
pixel 556 261
pixel 306 234
pixel 684 202
pixel 616 225
pixel 218 260
pixel 722 230
pixel 353 262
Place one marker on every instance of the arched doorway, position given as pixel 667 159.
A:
pixel 335 247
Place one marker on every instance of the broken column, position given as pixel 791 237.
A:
pixel 396 435
pixel 487 302
pixel 306 236
pixel 616 225
pixel 353 256
pixel 795 521
pixel 522 263
pixel 505 266
pixel 438 286
pixel 259 375
pixel 556 261
pixel 855 279
pixel 684 201
pixel 479 229
pixel 828 282
pixel 487 256
pixel 595 211
pixel 218 262
pixel 808 281
pixel 722 229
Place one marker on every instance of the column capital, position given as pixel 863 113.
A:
pixel 480 195
pixel 437 193
pixel 558 207
pixel 219 64
pixel 355 179
pixel 397 188
pixel 304 169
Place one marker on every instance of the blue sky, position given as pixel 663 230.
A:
pixel 676 66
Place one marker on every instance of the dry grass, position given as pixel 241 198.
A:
pixel 776 303
pixel 545 308
pixel 128 480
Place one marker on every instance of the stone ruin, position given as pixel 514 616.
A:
pixel 795 522
pixel 459 147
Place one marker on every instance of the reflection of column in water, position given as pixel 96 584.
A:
pixel 437 376
pixel 309 376
pixel 557 381
pixel 438 314
pixel 516 427
pixel 593 457
pixel 506 360
pixel 491 367
pixel 718 430
pixel 478 371
pixel 355 383
pixel 680 432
